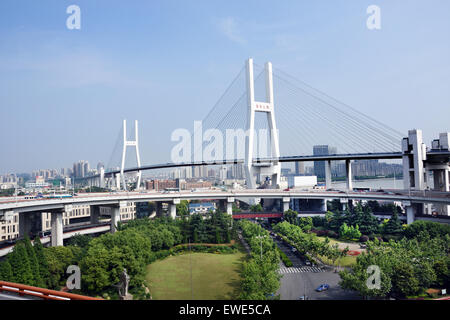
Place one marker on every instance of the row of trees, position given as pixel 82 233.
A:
pixel 361 216
pixel 260 277
pixel 308 243
pixel 407 267
pixel 34 265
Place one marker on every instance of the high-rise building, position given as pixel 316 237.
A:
pixel 100 165
pixel 223 172
pixel 319 166
pixel 299 167
pixel 81 169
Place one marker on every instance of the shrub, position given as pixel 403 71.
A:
pixel 364 238
pixel 287 262
pixel 320 232
pixel 332 234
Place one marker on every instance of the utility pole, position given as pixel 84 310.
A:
pixel 190 262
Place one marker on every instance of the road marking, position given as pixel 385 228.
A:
pixel 286 270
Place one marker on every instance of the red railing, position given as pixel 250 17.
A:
pixel 24 290
pixel 256 215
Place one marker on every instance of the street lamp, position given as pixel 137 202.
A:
pixel 260 237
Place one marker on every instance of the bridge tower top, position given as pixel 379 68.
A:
pixel 130 143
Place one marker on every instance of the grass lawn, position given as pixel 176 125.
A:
pixel 347 261
pixel 214 276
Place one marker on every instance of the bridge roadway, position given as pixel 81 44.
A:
pixel 307 158
pixel 114 198
pixel 67 233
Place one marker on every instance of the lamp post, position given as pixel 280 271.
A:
pixel 260 237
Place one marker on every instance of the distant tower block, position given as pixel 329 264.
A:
pixel 272 169
pixel 129 143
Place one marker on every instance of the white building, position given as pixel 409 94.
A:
pixel 302 181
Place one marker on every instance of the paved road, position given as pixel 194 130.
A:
pixel 302 280
pixel 12 296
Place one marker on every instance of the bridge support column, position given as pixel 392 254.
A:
pixel 410 214
pixel 173 208
pixel 57 228
pixel 230 202
pixel 328 174
pixel 344 203
pixel 117 181
pixel 324 205
pixel 102 178
pixel 95 214
pixel 115 218
pixel 286 202
pixel 24 224
pixel 158 209
pixel 348 169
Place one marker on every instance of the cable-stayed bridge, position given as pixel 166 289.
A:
pixel 266 117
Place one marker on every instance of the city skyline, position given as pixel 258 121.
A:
pixel 80 84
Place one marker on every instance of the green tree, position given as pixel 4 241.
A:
pixel 183 208
pixel 256 208
pixel 20 265
pixel 404 280
pixel 305 223
pixel 393 226
pixel 6 271
pixel 42 261
pixel 34 265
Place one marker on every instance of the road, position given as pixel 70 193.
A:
pixel 301 280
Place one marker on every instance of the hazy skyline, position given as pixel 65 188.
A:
pixel 64 93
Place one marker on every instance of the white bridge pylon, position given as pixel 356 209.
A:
pixel 129 143
pixel 272 169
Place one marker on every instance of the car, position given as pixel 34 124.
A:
pixel 294 250
pixel 323 287
pixel 303 298
pixel 308 263
pixel 287 189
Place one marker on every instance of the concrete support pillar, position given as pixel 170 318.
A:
pixel 286 202
pixel 24 224
pixel 102 178
pixel 324 205
pixel 95 214
pixel 118 181
pixel 115 218
pixel 446 180
pixel 159 210
pixel 328 174
pixel 173 210
pixel 344 203
pixel 57 228
pixel 230 202
pixel 348 168
pixel 410 214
